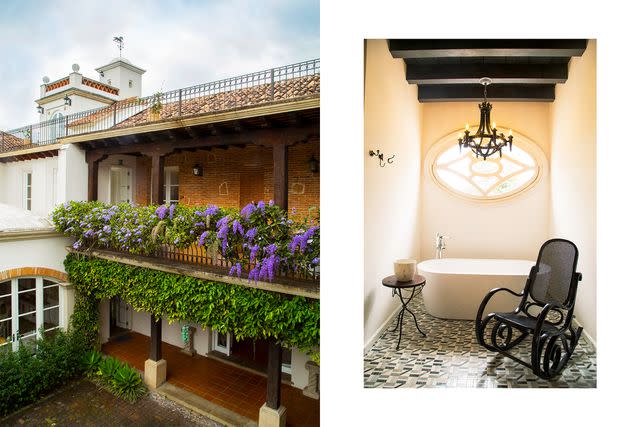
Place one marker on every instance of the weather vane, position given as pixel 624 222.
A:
pixel 120 42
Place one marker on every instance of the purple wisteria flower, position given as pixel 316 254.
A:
pixel 251 234
pixel 271 249
pixel 223 231
pixel 247 210
pixel 271 203
pixel 237 227
pixel 315 261
pixel 202 237
pixel 254 273
pixel 253 253
pixel 237 269
pixel 199 213
pixel 199 224
pixel 76 245
pixel 261 205
pixel 294 210
pixel 171 209
pixel 211 210
pixel 162 211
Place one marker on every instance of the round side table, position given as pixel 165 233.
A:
pixel 415 285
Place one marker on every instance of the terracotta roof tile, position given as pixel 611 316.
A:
pixel 8 141
pixel 261 94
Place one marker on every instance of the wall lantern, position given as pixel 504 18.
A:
pixel 40 109
pixel 197 170
pixel 67 100
pixel 314 164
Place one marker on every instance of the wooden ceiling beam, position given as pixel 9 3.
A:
pixel 442 48
pixel 444 93
pixel 499 73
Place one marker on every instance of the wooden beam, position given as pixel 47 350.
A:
pixel 93 161
pixel 155 348
pixel 274 374
pixel 280 175
pixel 442 93
pixel 442 48
pixel 499 73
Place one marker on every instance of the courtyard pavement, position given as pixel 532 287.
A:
pixel 82 403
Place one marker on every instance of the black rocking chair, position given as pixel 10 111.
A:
pixel 545 312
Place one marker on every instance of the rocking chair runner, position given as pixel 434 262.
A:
pixel 545 312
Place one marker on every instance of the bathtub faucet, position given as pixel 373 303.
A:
pixel 440 244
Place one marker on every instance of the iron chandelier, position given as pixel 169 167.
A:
pixel 486 141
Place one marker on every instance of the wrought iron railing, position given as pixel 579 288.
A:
pixel 198 255
pixel 276 84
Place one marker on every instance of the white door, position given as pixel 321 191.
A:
pixel 222 342
pixel 26 305
pixel 120 184
pixel 123 314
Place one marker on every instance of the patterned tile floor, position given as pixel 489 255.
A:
pixel 450 357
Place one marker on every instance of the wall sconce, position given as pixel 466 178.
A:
pixel 314 164
pixel 197 170
pixel 40 109
pixel 380 157
pixel 67 100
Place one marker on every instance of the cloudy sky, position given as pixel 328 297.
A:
pixel 178 42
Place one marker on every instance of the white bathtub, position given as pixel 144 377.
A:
pixel 455 287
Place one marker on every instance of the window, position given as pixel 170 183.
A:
pixel 170 188
pixel 56 127
pixel 28 304
pixel 460 172
pixel 27 189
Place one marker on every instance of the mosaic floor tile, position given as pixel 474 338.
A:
pixel 450 357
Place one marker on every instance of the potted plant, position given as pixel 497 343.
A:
pixel 27 136
pixel 156 107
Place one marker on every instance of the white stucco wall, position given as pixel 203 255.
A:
pixel 48 252
pixel 512 228
pixel 573 175
pixel 42 179
pixel 72 183
pixel 392 227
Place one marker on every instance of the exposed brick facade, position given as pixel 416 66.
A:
pixel 33 271
pixel 237 176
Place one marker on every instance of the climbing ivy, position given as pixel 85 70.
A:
pixel 246 312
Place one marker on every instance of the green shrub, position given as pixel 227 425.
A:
pixel 127 384
pixel 29 373
pixel 107 369
pixel 91 362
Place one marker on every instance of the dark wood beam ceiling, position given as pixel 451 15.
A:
pixel 520 69
pixel 437 48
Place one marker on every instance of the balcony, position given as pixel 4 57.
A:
pixel 273 86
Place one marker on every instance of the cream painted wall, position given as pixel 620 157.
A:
pixel 573 175
pixel 45 252
pixel 512 228
pixel 42 187
pixel 393 122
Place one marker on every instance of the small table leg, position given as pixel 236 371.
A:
pixel 405 305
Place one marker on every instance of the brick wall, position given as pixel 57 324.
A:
pixel 237 176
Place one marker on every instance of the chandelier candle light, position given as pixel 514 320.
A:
pixel 486 131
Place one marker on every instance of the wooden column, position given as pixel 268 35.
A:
pixel 155 350
pixel 157 179
pixel 93 161
pixel 280 175
pixel 281 198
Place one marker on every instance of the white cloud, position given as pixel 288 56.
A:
pixel 178 42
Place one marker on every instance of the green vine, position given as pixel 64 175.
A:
pixel 246 312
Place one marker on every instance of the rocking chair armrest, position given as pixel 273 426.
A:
pixel 542 317
pixel 487 297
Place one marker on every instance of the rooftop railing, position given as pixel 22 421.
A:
pixel 276 84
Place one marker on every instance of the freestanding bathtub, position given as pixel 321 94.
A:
pixel 455 287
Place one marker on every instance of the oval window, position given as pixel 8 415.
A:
pixel 461 172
